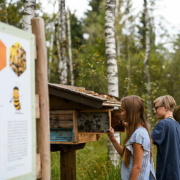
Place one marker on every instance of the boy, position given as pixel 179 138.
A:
pixel 166 136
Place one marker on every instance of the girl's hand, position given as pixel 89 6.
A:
pixel 111 132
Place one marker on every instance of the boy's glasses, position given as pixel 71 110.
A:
pixel 156 108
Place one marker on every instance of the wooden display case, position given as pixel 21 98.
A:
pixel 81 126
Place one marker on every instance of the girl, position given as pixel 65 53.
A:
pixel 136 152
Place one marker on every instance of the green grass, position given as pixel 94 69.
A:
pixel 92 162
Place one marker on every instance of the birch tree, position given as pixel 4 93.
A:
pixel 58 42
pixel 51 49
pixel 146 62
pixel 70 50
pixel 29 13
pixel 63 65
pixel 112 70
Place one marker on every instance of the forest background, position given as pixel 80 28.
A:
pixel 90 66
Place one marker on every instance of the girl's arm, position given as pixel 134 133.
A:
pixel 137 159
pixel 117 146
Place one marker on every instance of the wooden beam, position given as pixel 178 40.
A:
pixel 61 121
pixel 57 103
pixel 61 124
pixel 68 165
pixel 67 148
pixel 75 97
pixel 62 117
pixel 37 107
pixel 61 112
pixel 43 129
pixel 109 114
pixel 96 110
pixel 35 49
pixel 75 127
pixel 38 166
pixel 87 137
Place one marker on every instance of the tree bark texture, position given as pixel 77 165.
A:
pixel 112 69
pixel 63 71
pixel 58 41
pixel 51 49
pixel 28 14
pixel 42 124
pixel 146 62
pixel 70 50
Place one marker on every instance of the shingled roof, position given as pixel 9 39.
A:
pixel 107 100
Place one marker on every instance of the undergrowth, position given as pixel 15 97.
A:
pixel 92 162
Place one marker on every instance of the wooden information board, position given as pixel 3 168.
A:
pixel 17 104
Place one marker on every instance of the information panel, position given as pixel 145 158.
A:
pixel 17 104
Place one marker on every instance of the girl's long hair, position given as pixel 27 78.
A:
pixel 134 107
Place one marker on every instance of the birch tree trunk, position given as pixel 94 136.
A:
pixel 63 75
pixel 146 62
pixel 58 48
pixel 28 14
pixel 51 49
pixel 58 42
pixel 70 51
pixel 112 69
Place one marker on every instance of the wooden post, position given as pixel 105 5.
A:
pixel 68 165
pixel 42 124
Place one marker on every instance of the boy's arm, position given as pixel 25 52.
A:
pixel 158 133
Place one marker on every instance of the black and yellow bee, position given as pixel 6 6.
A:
pixel 17 104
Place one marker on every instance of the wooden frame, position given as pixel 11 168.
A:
pixel 80 137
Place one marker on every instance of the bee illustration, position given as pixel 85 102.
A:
pixel 17 104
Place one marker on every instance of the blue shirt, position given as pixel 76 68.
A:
pixel 139 136
pixel 166 136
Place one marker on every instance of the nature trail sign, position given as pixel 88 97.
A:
pixel 17 104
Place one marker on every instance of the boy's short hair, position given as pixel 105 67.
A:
pixel 167 100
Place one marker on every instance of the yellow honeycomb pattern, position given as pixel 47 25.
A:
pixel 17 58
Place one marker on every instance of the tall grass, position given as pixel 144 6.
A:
pixel 92 162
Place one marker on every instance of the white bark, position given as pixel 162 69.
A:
pixel 70 51
pixel 63 77
pixel 112 69
pixel 60 66
pixel 51 49
pixel 29 13
pixel 146 62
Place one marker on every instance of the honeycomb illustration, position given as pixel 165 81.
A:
pixel 2 55
pixel 17 58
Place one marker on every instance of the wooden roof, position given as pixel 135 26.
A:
pixel 83 96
